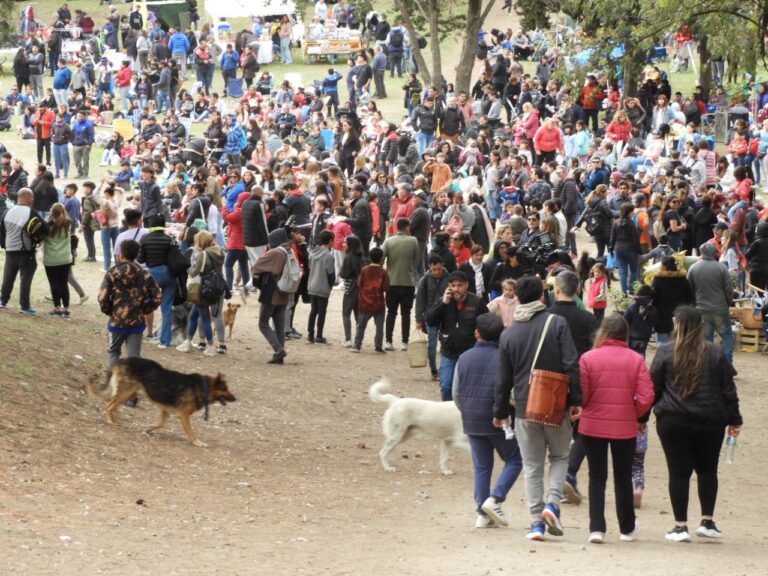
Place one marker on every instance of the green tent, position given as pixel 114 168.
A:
pixel 170 13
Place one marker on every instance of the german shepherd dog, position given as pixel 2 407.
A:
pixel 183 394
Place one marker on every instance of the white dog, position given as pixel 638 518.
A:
pixel 407 417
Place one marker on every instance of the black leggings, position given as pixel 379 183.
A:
pixel 348 309
pixel 44 144
pixel 622 454
pixel 688 450
pixel 317 310
pixel 58 280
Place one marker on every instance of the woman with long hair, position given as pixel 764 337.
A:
pixel 696 400
pixel 353 263
pixel 206 257
pixel 617 393
pixel 669 222
pixel 625 245
pixel 57 259
pixel 670 290
pixel 348 146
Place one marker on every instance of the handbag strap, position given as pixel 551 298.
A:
pixel 202 267
pixel 541 341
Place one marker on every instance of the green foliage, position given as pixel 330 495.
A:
pixel 450 21
pixel 535 13
pixel 8 20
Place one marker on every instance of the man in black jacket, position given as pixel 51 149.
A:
pixel 582 326
pixel 452 121
pixel 456 316
pixel 255 231
pixel 360 221
pixel 151 198
pixel 420 223
pixel 518 350
pixel 425 123
pixel 568 193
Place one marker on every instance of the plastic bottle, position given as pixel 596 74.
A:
pixel 509 433
pixel 730 449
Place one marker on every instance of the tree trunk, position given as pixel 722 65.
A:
pixel 476 15
pixel 705 72
pixel 404 8
pixel 633 68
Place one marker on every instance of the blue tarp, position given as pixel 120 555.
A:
pixel 582 58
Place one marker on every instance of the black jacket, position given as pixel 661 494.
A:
pixel 599 207
pixel 255 230
pixel 360 221
pixel 487 273
pixel 624 236
pixel 714 404
pixel 452 121
pixel 449 260
pixel 429 292
pixel 425 120
pixel 457 327
pixel 300 207
pixel 154 249
pixel 670 290
pixel 420 224
pixel 568 193
pixel 580 322
pixel 757 254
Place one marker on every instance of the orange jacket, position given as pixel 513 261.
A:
pixel 42 121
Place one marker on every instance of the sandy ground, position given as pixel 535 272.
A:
pixel 291 482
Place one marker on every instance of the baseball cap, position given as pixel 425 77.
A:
pixel 457 275
pixel 720 226
pixel 420 195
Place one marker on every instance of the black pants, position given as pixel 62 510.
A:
pixel 347 164
pixel 759 279
pixel 348 309
pixel 402 297
pixel 576 455
pixel 44 144
pixel 318 306
pixel 378 79
pixel 90 244
pixel 18 263
pixel 622 454
pixel 395 64
pixel 333 103
pixel 545 157
pixel 58 280
pixel 366 242
pixel 591 115
pixel 687 450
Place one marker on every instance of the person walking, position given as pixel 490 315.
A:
pixel 20 248
pixel 274 303
pixel 713 294
pixel 156 247
pixel 401 253
pixel 455 315
pixel 127 295
pixel 696 400
pixel 473 393
pixel 617 392
pixel 430 290
pixel 82 140
pixel 61 136
pixel 57 259
pixel 536 330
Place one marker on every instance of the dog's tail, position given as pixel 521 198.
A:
pixel 97 390
pixel 377 392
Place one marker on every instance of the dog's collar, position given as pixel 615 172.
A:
pixel 205 397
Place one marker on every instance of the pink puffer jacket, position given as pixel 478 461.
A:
pixel 617 390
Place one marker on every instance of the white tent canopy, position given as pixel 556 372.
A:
pixel 245 8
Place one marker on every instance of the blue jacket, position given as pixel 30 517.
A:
pixel 178 43
pixel 231 193
pixel 473 386
pixel 331 83
pixel 233 146
pixel 82 133
pixel 230 61
pixel 61 78
pixel 595 178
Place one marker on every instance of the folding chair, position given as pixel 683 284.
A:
pixel 235 88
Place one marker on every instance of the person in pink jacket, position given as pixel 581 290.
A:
pixel 548 141
pixel 235 247
pixel 617 392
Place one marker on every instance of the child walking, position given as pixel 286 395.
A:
pixel 373 284
pixel 322 277
pixel 505 305
pixel 641 316
pixel 341 229
pixel 350 271
pixel 597 295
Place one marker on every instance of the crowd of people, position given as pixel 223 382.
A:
pixel 465 215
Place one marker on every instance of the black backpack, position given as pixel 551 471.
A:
pixel 34 229
pixel 396 38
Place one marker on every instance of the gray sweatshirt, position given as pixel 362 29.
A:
pixel 321 272
pixel 710 282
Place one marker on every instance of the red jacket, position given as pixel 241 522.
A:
pixel 531 124
pixel 123 77
pixel 617 390
pixel 234 220
pixel 374 284
pixel 42 121
pixel 548 139
pixel 619 131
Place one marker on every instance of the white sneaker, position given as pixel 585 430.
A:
pixel 163 347
pixel 388 346
pixel 347 344
pixel 185 346
pixel 403 346
pixel 494 511
pixel 83 299
pixel 707 529
pixel 484 522
pixel 678 534
pixel 596 538
pixel 210 351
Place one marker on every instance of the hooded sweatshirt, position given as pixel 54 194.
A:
pixel 710 282
pixel 270 266
pixel 234 220
pixel 321 272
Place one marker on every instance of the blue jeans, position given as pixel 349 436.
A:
pixel 483 448
pixel 447 368
pixel 432 332
pixel 204 314
pixel 285 50
pixel 663 338
pixel 719 322
pixel 108 237
pixel 626 262
pixel 162 97
pixel 732 209
pixel 241 257
pixel 423 140
pixel 167 284
pixel 61 159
